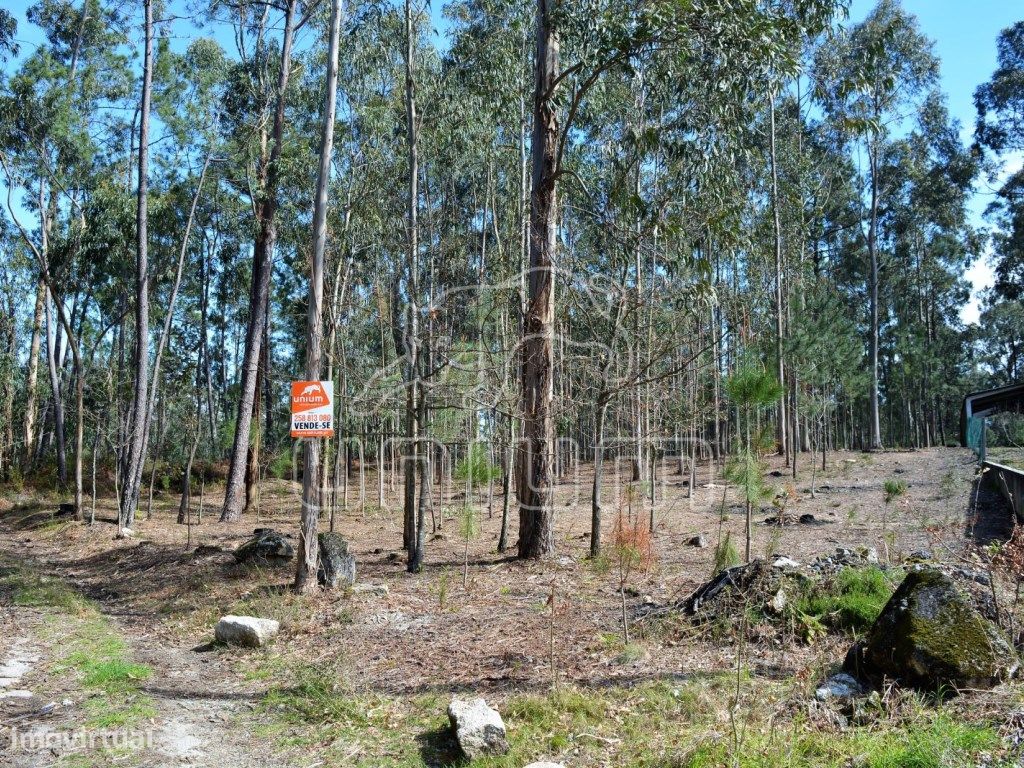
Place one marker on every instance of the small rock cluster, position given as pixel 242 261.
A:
pixel 267 547
pixel 755 583
pixel 844 557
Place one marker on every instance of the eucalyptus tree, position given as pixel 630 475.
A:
pixel 1000 132
pixel 305 574
pixel 490 67
pixel 58 109
pixel 265 203
pixel 931 175
pixel 868 79
pixel 138 419
pixel 1002 339
pixel 187 95
pixel 742 42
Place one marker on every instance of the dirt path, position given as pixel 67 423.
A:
pixel 200 713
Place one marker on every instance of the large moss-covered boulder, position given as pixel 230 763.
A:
pixel 266 547
pixel 929 636
pixel 337 566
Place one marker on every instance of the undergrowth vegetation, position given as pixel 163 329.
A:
pixel 93 650
pixel 851 600
pixel 676 722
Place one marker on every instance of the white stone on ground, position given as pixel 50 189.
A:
pixel 841 686
pixel 247 631
pixel 478 728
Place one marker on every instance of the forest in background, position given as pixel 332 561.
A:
pixel 645 231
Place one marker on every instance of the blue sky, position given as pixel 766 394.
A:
pixel 964 34
pixel 965 41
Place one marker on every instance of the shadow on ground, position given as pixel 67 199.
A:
pixel 990 517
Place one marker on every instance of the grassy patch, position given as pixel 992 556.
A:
pixel 852 600
pixel 655 724
pixel 938 742
pixel 102 663
pixel 275 602
pixel 36 591
pixel 97 654
pixel 311 707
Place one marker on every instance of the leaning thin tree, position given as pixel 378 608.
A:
pixel 305 574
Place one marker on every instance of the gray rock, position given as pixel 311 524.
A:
pixel 266 547
pixel 478 728
pixel 694 541
pixel 336 565
pixel 785 562
pixel 545 765
pixel 247 631
pixel 778 602
pixel 929 635
pixel 840 686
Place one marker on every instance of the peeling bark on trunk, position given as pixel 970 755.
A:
pixel 536 509
pixel 32 380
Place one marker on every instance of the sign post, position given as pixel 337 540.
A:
pixel 312 409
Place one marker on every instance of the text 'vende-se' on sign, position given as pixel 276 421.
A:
pixel 312 409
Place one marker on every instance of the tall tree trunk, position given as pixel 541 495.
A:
pixel 9 335
pixel 506 481
pixel 266 211
pixel 305 573
pixel 165 332
pixel 56 391
pixel 411 342
pixel 875 424
pixel 138 418
pixel 777 227
pixel 32 378
pixel 536 509
pixel 600 411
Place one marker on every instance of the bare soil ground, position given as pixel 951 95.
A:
pixel 430 635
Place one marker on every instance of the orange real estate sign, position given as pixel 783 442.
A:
pixel 312 409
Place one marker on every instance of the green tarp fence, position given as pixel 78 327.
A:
pixel 976 435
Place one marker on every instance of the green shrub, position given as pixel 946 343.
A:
pixel 280 466
pixel 477 466
pixel 726 555
pixel 852 600
pixel 893 490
